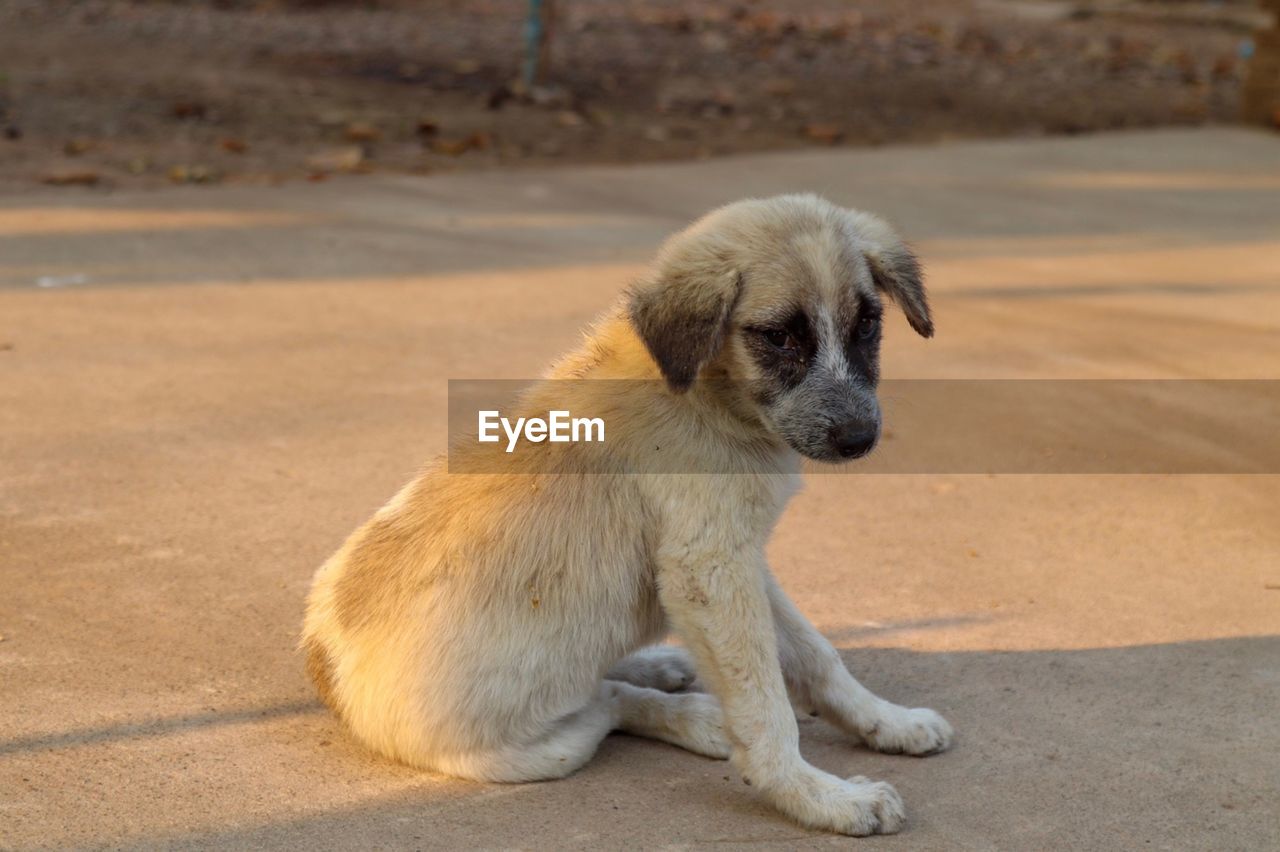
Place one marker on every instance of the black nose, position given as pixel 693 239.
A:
pixel 853 439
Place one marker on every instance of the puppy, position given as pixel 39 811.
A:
pixel 497 626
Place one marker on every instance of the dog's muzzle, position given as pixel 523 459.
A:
pixel 855 438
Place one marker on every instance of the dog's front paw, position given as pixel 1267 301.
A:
pixel 901 731
pixel 879 808
pixel 856 807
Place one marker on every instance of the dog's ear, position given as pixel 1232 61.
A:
pixel 681 307
pixel 894 269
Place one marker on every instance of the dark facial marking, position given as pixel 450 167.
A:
pixel 783 350
pixel 862 347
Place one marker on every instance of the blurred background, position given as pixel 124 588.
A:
pixel 138 92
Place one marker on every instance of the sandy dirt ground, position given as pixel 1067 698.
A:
pixel 145 92
pixel 203 390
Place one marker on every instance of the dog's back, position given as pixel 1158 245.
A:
pixel 476 605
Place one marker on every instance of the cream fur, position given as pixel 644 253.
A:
pixel 498 626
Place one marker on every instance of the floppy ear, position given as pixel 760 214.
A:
pixel 681 308
pixel 894 269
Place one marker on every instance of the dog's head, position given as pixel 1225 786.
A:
pixel 783 298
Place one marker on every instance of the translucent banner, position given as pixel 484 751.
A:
pixel 928 426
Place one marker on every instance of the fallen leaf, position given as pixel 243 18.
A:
pixel 76 147
pixel 362 131
pixel 336 160
pixel 450 147
pixel 780 86
pixel 193 174
pixel 233 145
pixel 72 177
pixel 833 32
pixel 457 147
pixel 204 174
pixel 189 110
pixel 827 134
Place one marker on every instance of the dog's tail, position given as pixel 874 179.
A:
pixel 320 669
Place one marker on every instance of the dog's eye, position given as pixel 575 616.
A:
pixel 782 339
pixel 868 326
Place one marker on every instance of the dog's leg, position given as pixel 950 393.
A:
pixel 817 677
pixel 691 720
pixel 665 667
pixel 564 747
pixel 718 602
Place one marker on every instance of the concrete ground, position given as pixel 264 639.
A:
pixel 203 391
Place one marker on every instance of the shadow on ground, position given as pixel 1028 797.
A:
pixel 1170 745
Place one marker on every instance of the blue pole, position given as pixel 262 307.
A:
pixel 532 42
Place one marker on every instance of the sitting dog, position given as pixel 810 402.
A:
pixel 498 626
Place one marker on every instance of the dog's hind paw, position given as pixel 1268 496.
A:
pixel 665 667
pixel 702 727
pixel 902 731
